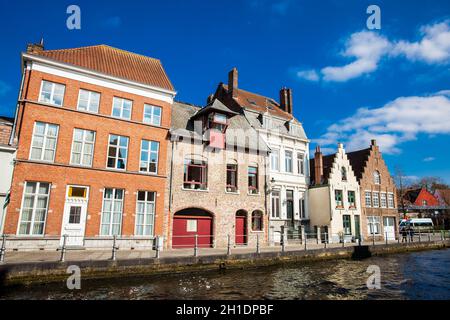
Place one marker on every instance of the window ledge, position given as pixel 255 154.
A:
pixel 195 190
pixel 253 194
pixel 232 192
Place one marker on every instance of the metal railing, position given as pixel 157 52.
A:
pixel 197 244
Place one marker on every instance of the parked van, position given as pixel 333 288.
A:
pixel 418 224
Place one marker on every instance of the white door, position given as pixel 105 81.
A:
pixel 389 227
pixel 74 219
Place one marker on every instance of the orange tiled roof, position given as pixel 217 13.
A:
pixel 114 62
pixel 260 103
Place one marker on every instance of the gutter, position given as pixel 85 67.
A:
pixel 13 131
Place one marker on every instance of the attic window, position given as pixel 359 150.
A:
pixel 252 101
pixel 217 121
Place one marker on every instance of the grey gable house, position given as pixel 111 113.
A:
pixel 217 178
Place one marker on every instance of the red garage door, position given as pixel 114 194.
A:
pixel 186 227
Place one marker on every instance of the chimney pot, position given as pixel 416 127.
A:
pixel 286 99
pixel 373 142
pixel 35 47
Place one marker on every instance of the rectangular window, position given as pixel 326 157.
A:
pixel 288 161
pixel 145 213
pixel 52 93
pixel 112 212
pixel 149 156
pixel 338 198
pixel 383 200
pixel 34 208
pixel 88 101
pixel 152 115
pixel 195 174
pixel 275 204
pixel 302 208
pixel 232 177
pixel 122 108
pixel 82 147
pixel 43 145
pixel 391 200
pixel 253 180
pixel 191 225
pixel 275 160
pixel 117 152
pixel 346 221
pixel 300 163
pixel 373 223
pixel 75 215
pixel 257 221
pixel 351 199
pixel 376 199
pixel 368 198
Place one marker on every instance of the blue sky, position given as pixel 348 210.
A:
pixel 350 84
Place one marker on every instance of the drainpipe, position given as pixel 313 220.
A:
pixel 170 190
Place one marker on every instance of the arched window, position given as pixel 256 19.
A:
pixel 257 220
pixel 344 174
pixel 377 177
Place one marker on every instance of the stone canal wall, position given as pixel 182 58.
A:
pixel 51 271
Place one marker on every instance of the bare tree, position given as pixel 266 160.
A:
pixel 400 181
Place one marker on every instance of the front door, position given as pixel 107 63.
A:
pixel 75 212
pixel 290 205
pixel 357 227
pixel 389 227
pixel 241 229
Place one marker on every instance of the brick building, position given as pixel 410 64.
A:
pixel 378 193
pixel 216 185
pixel 91 131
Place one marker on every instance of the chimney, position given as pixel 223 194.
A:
pixel 233 82
pixel 35 47
pixel 210 99
pixel 286 100
pixel 318 166
pixel 373 142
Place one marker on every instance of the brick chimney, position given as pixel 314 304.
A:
pixel 35 47
pixel 286 100
pixel 233 82
pixel 318 166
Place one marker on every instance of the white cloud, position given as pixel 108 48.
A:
pixel 310 75
pixel 368 48
pixel 429 159
pixel 434 47
pixel 396 122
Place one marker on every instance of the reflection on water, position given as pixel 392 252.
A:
pixel 422 275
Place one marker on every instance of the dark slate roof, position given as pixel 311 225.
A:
pixel 327 166
pixel 358 161
pixel 184 122
pixel 216 105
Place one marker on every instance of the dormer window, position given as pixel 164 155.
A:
pixel 216 125
pixel 217 121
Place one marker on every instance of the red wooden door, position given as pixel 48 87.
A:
pixel 241 230
pixel 186 227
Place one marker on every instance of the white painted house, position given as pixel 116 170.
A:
pixel 7 154
pixel 334 197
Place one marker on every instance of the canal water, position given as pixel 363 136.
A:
pixel 419 275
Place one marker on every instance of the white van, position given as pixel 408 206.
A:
pixel 422 224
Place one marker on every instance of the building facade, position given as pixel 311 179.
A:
pixel 334 197
pixel 91 129
pixel 288 173
pixel 7 154
pixel 378 194
pixel 216 185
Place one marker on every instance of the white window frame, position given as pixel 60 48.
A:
pixel 368 196
pixel 373 221
pixel 117 152
pixel 275 153
pixel 113 200
pixel 122 101
pixel 383 200
pixel 151 114
pixel 375 204
pixel 90 93
pixel 149 153
pixel 147 225
pixel 286 161
pixel 391 200
pixel 377 177
pixel 301 163
pixel 33 213
pixel 84 142
pixel 52 93
pixel 45 138
pixel 272 203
